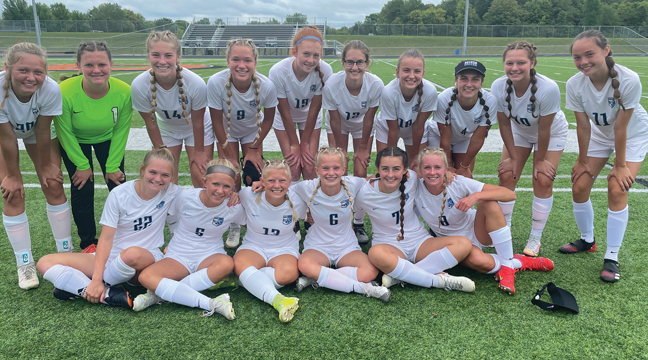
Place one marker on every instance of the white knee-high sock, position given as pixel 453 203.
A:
pixel 68 279
pixel 334 280
pixel 198 281
pixel 258 284
pixel 349 271
pixel 498 264
pixel 413 274
pixel 358 217
pixel 61 224
pixel 437 261
pixel 584 215
pixel 616 227
pixel 507 210
pixel 17 229
pixel 540 214
pixel 118 272
pixel 183 294
pixel 503 244
pixel 271 274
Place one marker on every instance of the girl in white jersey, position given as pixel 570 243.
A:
pixel 605 99
pixel 446 204
pixel 195 259
pixel 267 258
pixel 179 98
pixel 131 236
pixel 405 105
pixel 30 100
pixel 402 248
pixel 351 100
pixel 464 115
pixel 530 120
pixel 235 97
pixel 299 80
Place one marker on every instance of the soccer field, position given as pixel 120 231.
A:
pixel 416 323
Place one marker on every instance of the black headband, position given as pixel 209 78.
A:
pixel 221 169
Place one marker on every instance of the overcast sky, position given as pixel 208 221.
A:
pixel 337 12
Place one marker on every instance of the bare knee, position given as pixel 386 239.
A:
pixel 286 273
pixel 617 198
pixel 543 182
pixel 309 268
pixel 367 273
pixel 479 261
pixel 136 257
pixel 381 257
pixel 46 262
pixel 507 180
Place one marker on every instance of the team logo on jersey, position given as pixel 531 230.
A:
pixel 415 107
pixel 344 203
pixel 35 110
pixel 478 120
pixel 253 103
pixel 159 206
pixel 287 219
pixel 611 102
pixel 406 197
pixel 313 88
pixel 529 107
pixel 217 221
pixel 450 203
pixel 363 104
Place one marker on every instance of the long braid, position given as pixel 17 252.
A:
pixel 228 87
pixel 346 188
pixel 509 91
pixel 403 197
pixel 534 89
pixel 257 91
pixel 291 207
pixel 609 61
pixel 485 110
pixel 420 95
pixel 153 97
pixel 443 201
pixel 182 93
pixel 310 201
pixel 5 87
pixel 453 98
pixel 532 54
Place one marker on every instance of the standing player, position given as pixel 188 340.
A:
pixel 235 96
pixel 195 259
pixel 351 100
pixel 179 98
pixel 97 112
pixel 133 223
pixel 405 105
pixel 267 258
pixel 402 248
pixel 608 94
pixel 464 115
pixel 447 207
pixel 29 102
pixel 530 120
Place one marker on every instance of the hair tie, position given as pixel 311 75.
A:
pixel 307 38
pixel 221 169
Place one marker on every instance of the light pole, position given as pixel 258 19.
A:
pixel 465 28
pixel 37 23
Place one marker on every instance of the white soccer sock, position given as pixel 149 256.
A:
pixel 349 271
pixel 271 274
pixel 498 264
pixel 258 284
pixel 334 280
pixel 358 217
pixel 507 210
pixel 584 215
pixel 118 272
pixel 61 224
pixel 437 261
pixel 17 229
pixel 413 274
pixel 503 244
pixel 67 278
pixel 616 227
pixel 183 294
pixel 198 281
pixel 540 214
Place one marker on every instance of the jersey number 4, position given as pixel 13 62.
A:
pixel 142 223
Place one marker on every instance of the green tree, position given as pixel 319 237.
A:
pixel 567 12
pixel 60 11
pixel 78 25
pixel 43 10
pixel 431 15
pixel 219 22
pixel 633 14
pixel 136 19
pixel 539 12
pixel 504 12
pixel 163 21
pixel 390 11
pixel 203 21
pixel 481 6
pixel 296 18
pixel 16 10
pixel 460 14
pixel 610 16
pixel 591 14
pixel 106 11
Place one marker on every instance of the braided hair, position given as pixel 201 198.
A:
pixel 532 54
pixel 599 39
pixel 276 164
pixel 88 46
pixel 324 150
pixel 13 55
pixel 397 152
pixel 310 31
pixel 417 54
pixel 169 38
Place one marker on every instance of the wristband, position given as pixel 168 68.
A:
pixel 462 165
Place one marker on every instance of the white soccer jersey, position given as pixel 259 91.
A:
pixel 137 222
pixel 454 221
pixel 244 107
pixel 169 102
pixel 200 226
pixel 298 93
pixel 547 102
pixel 268 226
pixel 464 122
pixel 351 108
pixel 332 214
pixel 601 107
pixel 384 212
pixel 46 101
pixel 394 107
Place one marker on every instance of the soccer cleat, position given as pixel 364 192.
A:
pixel 221 305
pixel 376 291
pixel 506 278
pixel 388 281
pixel 535 264
pixel 449 282
pixel 117 296
pixel 27 278
pixel 532 247
pixel 233 238
pixel 361 234
pixel 90 249
pixel 286 306
pixel 230 281
pixel 64 295
pixel 303 282
pixel 144 301
pixel 610 271
pixel 297 230
pixel 577 246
